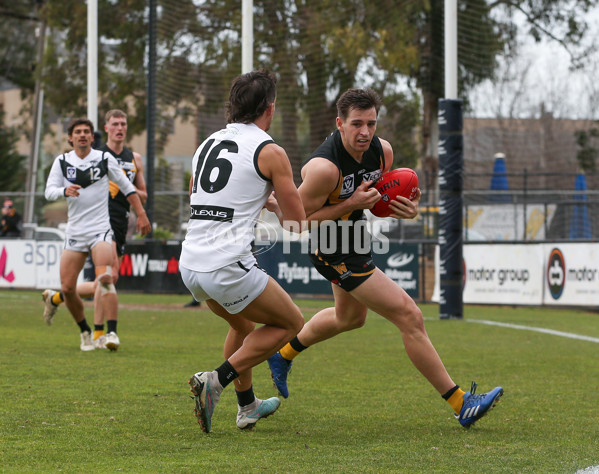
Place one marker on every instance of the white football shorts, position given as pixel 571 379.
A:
pixel 233 287
pixel 84 243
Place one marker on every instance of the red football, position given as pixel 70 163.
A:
pixel 397 182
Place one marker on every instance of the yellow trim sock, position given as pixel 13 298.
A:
pixel 456 400
pixel 97 334
pixel 57 298
pixel 288 352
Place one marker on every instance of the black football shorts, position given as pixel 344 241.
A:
pixel 347 271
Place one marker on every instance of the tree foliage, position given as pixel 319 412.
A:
pixel 587 150
pixel 12 163
pixel 18 23
pixel 318 49
pixel 121 52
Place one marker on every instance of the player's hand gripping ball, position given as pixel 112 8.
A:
pixel 397 182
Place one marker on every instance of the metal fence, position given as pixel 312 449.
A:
pixel 525 212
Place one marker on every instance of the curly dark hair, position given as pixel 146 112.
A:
pixel 251 94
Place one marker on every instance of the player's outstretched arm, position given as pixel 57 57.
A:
pixel 143 223
pixel 285 203
pixel 140 181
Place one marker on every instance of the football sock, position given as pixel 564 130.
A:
pixel 111 325
pixel 84 326
pixel 292 349
pixel 98 331
pixel 226 374
pixel 455 397
pixel 57 298
pixel 246 397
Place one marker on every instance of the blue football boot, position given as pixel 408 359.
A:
pixel 279 369
pixel 477 406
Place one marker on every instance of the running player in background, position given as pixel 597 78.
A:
pixel 115 126
pixel 234 173
pixel 336 188
pixel 82 176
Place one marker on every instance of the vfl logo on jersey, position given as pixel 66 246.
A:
pixel 372 176
pixel 126 165
pixel 71 173
pixel 347 188
pixel 211 213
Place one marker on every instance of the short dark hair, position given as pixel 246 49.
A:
pixel 79 121
pixel 361 99
pixel 251 94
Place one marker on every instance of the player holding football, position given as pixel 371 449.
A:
pixel 235 171
pixel 82 176
pixel 115 126
pixel 336 186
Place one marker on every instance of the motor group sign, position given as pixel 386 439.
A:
pixel 530 274
pixel 503 274
pixel 571 274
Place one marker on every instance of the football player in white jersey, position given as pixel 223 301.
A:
pixel 234 173
pixel 115 126
pixel 82 176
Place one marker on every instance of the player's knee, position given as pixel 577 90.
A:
pixel 356 322
pixel 295 323
pixel 298 322
pixel 68 290
pixel 104 274
pixel 105 280
pixel 412 320
pixel 107 288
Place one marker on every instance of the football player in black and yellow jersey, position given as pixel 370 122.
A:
pixel 336 188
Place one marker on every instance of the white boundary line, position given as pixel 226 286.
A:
pixel 590 469
pixel 543 330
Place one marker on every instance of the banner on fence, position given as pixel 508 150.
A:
pixel 294 271
pixel 151 267
pixel 503 274
pixel 500 274
pixel 571 274
pixel 30 264
pixel 508 222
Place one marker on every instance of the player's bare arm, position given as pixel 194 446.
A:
pixel 320 177
pixel 387 154
pixel 116 174
pixel 143 223
pixel 140 181
pixel 274 164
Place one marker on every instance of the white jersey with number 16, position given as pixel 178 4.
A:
pixel 228 193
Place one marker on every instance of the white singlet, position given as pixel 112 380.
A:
pixel 228 193
pixel 87 213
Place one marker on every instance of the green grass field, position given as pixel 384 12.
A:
pixel 356 405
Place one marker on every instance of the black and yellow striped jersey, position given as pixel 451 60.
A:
pixel 351 174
